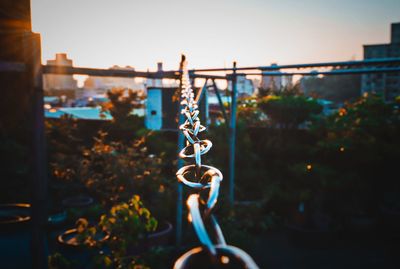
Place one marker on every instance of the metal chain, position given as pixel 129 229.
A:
pixel 202 177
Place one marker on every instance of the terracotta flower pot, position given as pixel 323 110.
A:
pixel 14 216
pixel 79 254
pixel 69 238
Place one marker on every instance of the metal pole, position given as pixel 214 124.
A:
pixel 232 139
pixel 179 189
pixel 221 104
pixel 39 186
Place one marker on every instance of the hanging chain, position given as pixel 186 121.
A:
pixel 202 178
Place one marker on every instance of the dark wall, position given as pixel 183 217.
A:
pixel 16 90
pixel 170 109
pixel 15 15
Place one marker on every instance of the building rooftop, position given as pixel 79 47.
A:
pixel 86 113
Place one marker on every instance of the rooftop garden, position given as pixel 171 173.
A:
pixel 316 176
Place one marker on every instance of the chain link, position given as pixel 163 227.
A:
pixel 200 177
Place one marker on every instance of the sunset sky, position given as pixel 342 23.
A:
pixel 212 33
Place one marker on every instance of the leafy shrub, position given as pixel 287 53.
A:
pixel 128 224
pixel 289 111
pixel 114 171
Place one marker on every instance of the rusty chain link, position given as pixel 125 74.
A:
pixel 200 177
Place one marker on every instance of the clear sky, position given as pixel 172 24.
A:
pixel 212 33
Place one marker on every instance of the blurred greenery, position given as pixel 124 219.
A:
pixel 341 88
pixel 289 111
pixel 127 223
pixel 339 166
pixel 288 156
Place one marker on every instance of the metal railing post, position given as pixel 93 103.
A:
pixel 232 138
pixel 39 181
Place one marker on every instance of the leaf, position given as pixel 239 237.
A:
pixel 107 261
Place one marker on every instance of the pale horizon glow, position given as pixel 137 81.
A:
pixel 102 33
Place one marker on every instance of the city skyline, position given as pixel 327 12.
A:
pixel 102 33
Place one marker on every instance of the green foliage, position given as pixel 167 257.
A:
pixel 340 88
pixel 113 171
pixel 364 121
pixel 249 113
pixel 66 138
pixel 246 220
pixel 289 111
pixel 120 106
pixel 360 142
pixel 159 257
pixel 86 235
pixel 307 180
pixel 251 217
pixel 112 167
pixel 92 213
pixel 58 261
pixel 289 90
pixel 124 125
pixel 128 224
pixel 339 165
pixel 129 221
pixel 163 143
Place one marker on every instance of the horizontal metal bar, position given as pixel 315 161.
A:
pixel 49 69
pixel 67 70
pixel 367 62
pixel 331 72
pixel 11 67
pixel 193 75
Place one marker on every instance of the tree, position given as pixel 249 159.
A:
pixel 289 111
pixel 339 88
pixel 124 125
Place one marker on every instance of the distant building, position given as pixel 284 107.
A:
pixel 95 86
pixel 59 85
pixel 156 82
pixel 276 82
pixel 83 113
pixel 161 112
pixel 244 86
pixel 169 83
pixel 387 84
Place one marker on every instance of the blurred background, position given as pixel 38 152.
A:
pixel 300 100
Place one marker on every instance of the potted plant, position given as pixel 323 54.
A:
pixel 14 217
pixel 127 232
pixel 64 151
pixel 81 245
pixel 83 235
pixel 133 230
pixel 113 170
